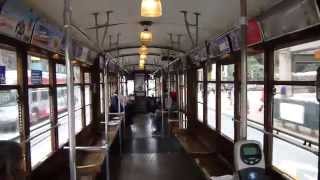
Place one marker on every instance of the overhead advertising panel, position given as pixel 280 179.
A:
pixel 288 17
pixel 47 36
pixel 219 47
pixel 17 20
pixel 254 35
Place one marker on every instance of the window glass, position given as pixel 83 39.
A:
pixel 38 70
pixel 77 74
pixel 78 120
pixel 39 125
pixel 255 95
pixel 9 119
pixel 296 111
pixel 101 77
pixel 295 161
pixel 212 72
pixel 78 108
pixel 61 74
pixel 200 74
pixel 211 105
pixel 87 77
pixel 8 67
pixel 152 87
pixel 297 63
pixel 88 104
pixel 77 97
pixel 227 72
pixel 256 67
pixel 101 98
pixel 200 101
pixel 62 101
pixel 227 110
pixel 130 87
pixel 255 134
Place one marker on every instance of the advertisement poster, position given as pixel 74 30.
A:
pixel 2 75
pixel 219 47
pixel 17 19
pixel 254 34
pixel 36 77
pixel 235 39
pixel 47 36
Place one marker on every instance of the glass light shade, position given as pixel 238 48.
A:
pixel 145 37
pixel 141 65
pixel 151 8
pixel 142 61
pixel 143 56
pixel 143 50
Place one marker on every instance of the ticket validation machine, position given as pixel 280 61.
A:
pixel 249 161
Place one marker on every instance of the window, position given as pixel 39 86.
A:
pixel 227 100
pixel 9 119
pixel 200 95
pixel 130 87
pixel 88 104
pixel 8 67
pixel 211 97
pixel 78 108
pixel 151 87
pixel 255 96
pixel 77 74
pixel 61 74
pixel 211 105
pixel 40 125
pixel 296 110
pixel 38 71
pixel 62 115
pixel 297 63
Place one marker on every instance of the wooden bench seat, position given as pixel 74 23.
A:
pixel 213 165
pixel 89 163
pixel 207 159
pixel 192 144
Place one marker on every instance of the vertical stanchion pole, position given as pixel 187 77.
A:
pixel 106 117
pixel 70 88
pixel 162 102
pixel 119 111
pixel 242 122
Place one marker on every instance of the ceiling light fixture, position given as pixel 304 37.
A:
pixel 143 56
pixel 143 50
pixel 145 37
pixel 151 8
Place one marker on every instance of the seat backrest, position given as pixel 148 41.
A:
pixel 11 160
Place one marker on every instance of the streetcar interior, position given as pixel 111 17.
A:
pixel 157 89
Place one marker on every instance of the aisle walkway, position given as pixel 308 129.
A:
pixel 146 157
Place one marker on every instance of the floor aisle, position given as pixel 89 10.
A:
pixel 147 157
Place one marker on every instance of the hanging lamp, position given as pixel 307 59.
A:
pixel 143 50
pixel 143 56
pixel 151 8
pixel 145 37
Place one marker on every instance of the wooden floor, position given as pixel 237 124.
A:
pixel 146 157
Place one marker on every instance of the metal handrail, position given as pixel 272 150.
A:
pixel 41 133
pixel 310 149
pixel 90 148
